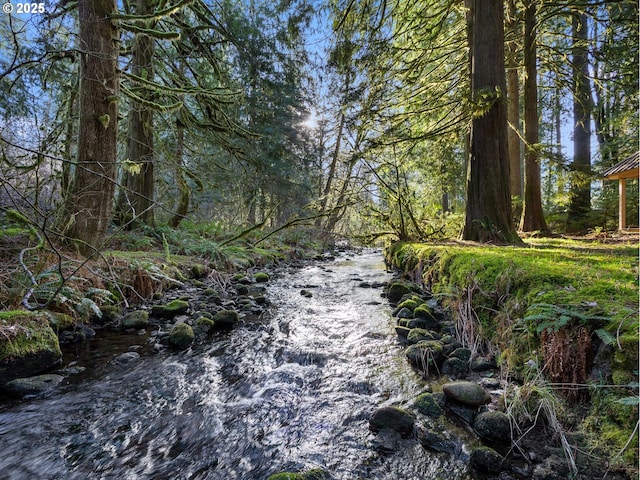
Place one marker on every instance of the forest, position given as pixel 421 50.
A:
pixel 148 142
pixel 354 120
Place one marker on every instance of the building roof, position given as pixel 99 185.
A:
pixel 627 168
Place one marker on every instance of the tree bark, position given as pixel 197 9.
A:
pixel 135 197
pixel 532 215
pixel 182 208
pixel 91 195
pixel 513 109
pixel 488 209
pixel 580 193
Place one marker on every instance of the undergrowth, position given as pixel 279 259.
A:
pixel 564 309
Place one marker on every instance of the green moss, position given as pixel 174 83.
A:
pixel 427 404
pixel 315 474
pixel 261 277
pixel 181 336
pixel 424 311
pixel 410 304
pixel 203 325
pixel 594 282
pixel 23 333
pixel 171 309
pixel 60 321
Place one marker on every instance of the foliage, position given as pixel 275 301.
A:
pixel 545 308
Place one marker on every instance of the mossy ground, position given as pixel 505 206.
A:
pixel 586 283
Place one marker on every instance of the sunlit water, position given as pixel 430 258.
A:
pixel 292 392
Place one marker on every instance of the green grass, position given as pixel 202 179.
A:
pixel 602 278
pixel 518 292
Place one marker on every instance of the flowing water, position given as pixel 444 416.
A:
pixel 292 391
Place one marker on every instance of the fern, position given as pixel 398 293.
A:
pixel 555 317
pixel 632 401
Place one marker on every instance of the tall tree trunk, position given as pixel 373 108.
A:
pixel 513 96
pixel 488 209
pixel 91 194
pixel 336 153
pixel 532 216
pixel 135 197
pixel 580 194
pixel 182 208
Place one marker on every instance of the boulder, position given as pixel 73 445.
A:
pixel 427 404
pixel 21 387
pixel 171 309
pixel 261 277
pixel 417 335
pixel 462 353
pixel 486 459
pixel 493 426
pixel 393 418
pixel 127 358
pixel 181 336
pixel 436 441
pixel 425 354
pixel 397 290
pixel 467 393
pixel 454 366
pixel 136 319
pixel 480 364
pixel 225 318
pixel 28 345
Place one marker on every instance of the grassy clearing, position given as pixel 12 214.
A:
pixel 553 302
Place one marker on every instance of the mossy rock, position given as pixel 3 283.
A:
pixel 461 353
pixel 21 387
pixel 409 304
pixel 455 366
pixel 110 313
pixel 418 335
pixel 171 309
pixel 315 474
pixel 261 277
pixel 404 313
pixel 28 345
pixel 425 354
pixel 396 290
pixel 467 393
pixel 426 313
pixel 402 331
pixel 60 321
pixel 135 319
pixel 427 404
pixel 392 418
pixel 226 318
pixel 203 325
pixel 493 426
pixel 181 336
pixel 199 270
pixel 486 459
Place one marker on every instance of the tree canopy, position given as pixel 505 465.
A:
pixel 357 119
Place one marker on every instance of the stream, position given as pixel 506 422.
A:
pixel 289 392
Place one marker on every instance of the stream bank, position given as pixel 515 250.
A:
pixel 315 382
pixel 565 341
